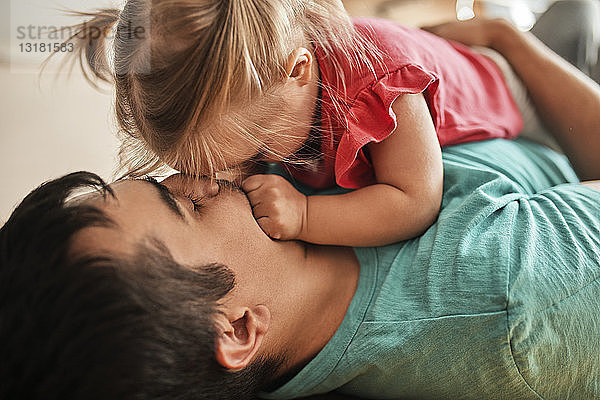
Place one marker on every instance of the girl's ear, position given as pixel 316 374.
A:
pixel 240 335
pixel 299 66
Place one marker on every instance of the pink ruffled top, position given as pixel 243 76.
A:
pixel 465 91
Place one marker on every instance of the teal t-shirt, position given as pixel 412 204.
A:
pixel 500 298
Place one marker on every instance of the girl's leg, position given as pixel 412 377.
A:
pixel 565 98
pixel 532 127
pixel 571 28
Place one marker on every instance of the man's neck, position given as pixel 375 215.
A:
pixel 328 283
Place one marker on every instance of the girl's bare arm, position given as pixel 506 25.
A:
pixel 406 199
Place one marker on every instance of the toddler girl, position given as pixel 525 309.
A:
pixel 212 85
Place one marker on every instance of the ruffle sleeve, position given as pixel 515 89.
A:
pixel 371 119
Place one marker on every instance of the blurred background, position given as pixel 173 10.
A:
pixel 52 124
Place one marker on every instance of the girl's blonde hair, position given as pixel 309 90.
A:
pixel 188 70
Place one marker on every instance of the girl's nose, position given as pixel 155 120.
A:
pixel 200 187
pixel 211 187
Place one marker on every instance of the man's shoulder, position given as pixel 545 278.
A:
pixel 486 185
pixel 492 192
pixel 504 198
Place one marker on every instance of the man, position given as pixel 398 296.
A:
pixel 146 290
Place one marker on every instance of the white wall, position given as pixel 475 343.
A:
pixel 49 131
pixel 49 125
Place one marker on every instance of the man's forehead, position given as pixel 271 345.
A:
pixel 100 240
pixel 112 237
pixel 88 195
pixel 120 189
pixel 98 198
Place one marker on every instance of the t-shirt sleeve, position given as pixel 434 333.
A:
pixel 372 119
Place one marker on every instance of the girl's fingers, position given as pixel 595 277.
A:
pixel 259 211
pixel 253 183
pixel 255 197
pixel 266 224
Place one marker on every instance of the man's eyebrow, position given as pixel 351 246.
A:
pixel 166 196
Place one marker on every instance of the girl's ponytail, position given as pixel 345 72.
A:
pixel 89 39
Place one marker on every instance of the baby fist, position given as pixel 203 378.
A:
pixel 278 207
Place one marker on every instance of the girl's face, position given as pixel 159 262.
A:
pixel 276 146
pixel 300 92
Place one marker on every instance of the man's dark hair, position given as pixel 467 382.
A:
pixel 102 326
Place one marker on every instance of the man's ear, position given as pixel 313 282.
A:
pixel 240 335
pixel 299 66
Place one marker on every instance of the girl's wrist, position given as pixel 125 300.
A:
pixel 303 235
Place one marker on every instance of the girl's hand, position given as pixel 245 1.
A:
pixel 475 32
pixel 278 207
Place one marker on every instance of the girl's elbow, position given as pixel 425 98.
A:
pixel 431 204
